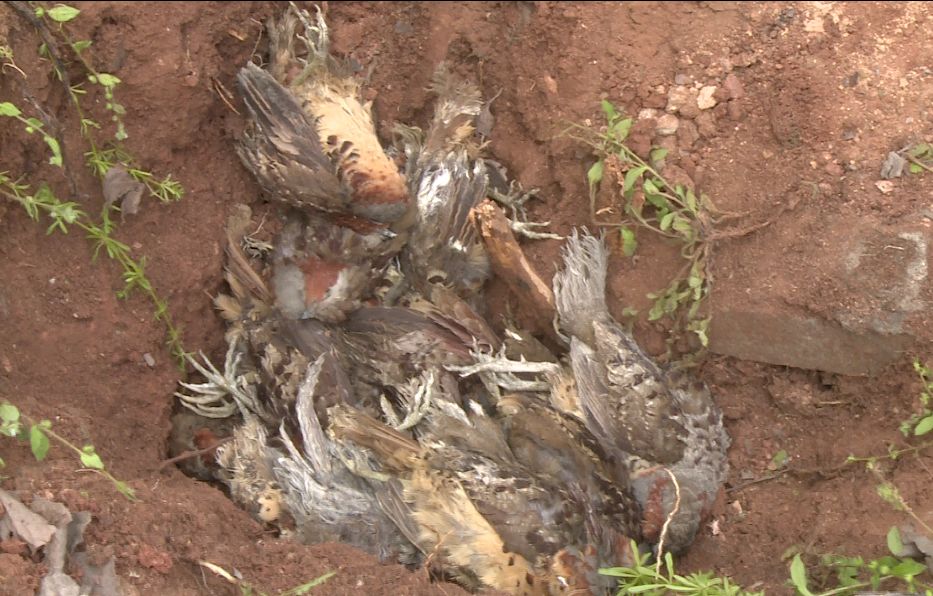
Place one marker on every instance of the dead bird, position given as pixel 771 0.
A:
pixel 664 420
pixel 447 180
pixel 460 495
pixel 312 142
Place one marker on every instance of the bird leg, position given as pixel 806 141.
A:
pixel 417 398
pixel 208 399
pixel 515 200
pixel 498 372
pixel 316 39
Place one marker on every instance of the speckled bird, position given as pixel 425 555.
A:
pixel 660 420
pixel 312 142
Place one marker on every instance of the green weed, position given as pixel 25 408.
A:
pixel 13 423
pixel 101 158
pixel 650 202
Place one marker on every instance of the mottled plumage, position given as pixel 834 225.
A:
pixel 637 410
pixel 312 143
pixel 446 182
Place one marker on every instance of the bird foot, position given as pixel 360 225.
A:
pixel 209 399
pixel 316 38
pixel 417 399
pixel 515 200
pixel 498 372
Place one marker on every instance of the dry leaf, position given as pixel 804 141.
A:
pixel 119 185
pixel 23 523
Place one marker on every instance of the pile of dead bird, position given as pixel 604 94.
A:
pixel 372 403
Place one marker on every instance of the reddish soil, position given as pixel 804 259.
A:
pixel 796 137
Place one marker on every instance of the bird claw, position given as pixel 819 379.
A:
pixel 515 200
pixel 208 399
pixel 317 40
pixel 526 229
pixel 418 397
pixel 256 248
pixel 498 372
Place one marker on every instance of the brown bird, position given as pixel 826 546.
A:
pixel 324 271
pixel 459 495
pixel 311 142
pixel 662 420
pixel 447 182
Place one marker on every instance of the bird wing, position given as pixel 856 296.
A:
pixel 283 149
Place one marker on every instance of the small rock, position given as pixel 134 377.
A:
pixel 681 79
pixel 149 360
pixel 735 111
pixel 677 175
pixel 656 100
pixel 687 134
pixel 885 186
pixel 153 558
pixel 647 114
pixel 851 80
pixel 667 125
pixel 639 138
pixel 705 99
pixel 814 25
pixel 550 84
pixel 669 143
pixel 893 166
pixel 834 169
pixel 678 97
pixel 706 124
pixel 733 85
pixel 403 27
pixel 690 110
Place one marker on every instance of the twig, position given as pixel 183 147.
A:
pixel 667 522
pixel 189 454
pixel 223 93
pixel 916 161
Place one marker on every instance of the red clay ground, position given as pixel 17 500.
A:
pixel 793 129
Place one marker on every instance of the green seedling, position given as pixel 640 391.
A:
pixel 651 202
pixel 15 424
pixel 642 578
pixel 100 159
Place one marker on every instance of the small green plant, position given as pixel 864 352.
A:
pixel 920 157
pixel 917 425
pixel 101 159
pixel 921 423
pixel 652 203
pixel 854 573
pixel 642 578
pixel 14 423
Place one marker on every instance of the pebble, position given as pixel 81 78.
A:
pixel 687 134
pixel 885 186
pixel 647 114
pixel 834 169
pixel 706 124
pixel 667 125
pixel 733 85
pixel 149 360
pixel 678 97
pixel 893 166
pixel 705 99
